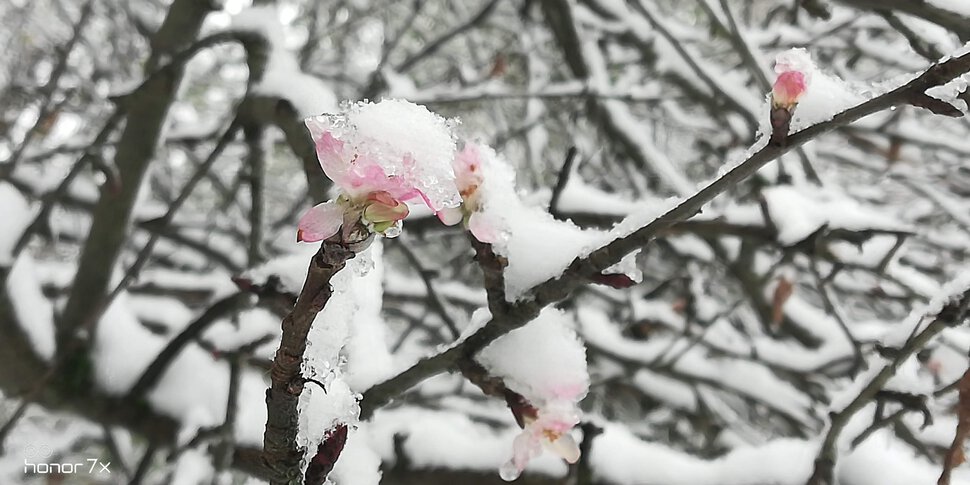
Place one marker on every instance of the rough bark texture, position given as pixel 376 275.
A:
pixel 280 450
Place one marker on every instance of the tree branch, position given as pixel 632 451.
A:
pixel 280 450
pixel 953 313
pixel 581 269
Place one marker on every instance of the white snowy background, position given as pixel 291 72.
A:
pixel 705 371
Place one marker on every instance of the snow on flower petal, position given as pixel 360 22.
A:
pixel 320 222
pixel 481 177
pixel 393 146
pixel 797 59
pixel 379 156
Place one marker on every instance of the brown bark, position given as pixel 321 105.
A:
pixel 280 451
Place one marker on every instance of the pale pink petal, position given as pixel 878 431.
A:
pixel 450 215
pixel 565 446
pixel 468 168
pixel 367 176
pixel 525 447
pixel 320 222
pixel 330 152
pixel 485 229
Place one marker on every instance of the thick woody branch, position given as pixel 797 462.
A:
pixel 280 450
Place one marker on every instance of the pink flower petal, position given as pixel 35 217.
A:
pixel 525 447
pixel 330 153
pixel 320 222
pixel 450 215
pixel 485 228
pixel 565 446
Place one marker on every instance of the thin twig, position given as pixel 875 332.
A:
pixel 564 173
pixel 953 313
pixel 434 298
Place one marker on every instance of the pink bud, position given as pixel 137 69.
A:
pixel 788 88
pixel 384 208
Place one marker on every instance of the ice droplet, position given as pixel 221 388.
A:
pixel 393 231
pixel 509 472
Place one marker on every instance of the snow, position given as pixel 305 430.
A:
pixel 17 215
pixel 578 196
pixel 672 392
pixel 290 268
pixel 450 440
pixel 538 247
pixel 960 7
pixel 193 467
pixel 951 91
pixel 193 388
pixel 621 458
pixel 544 360
pixel 735 376
pixel 283 77
pixel 34 311
pixel 171 313
pixel 346 349
pixel 811 319
pixel 925 312
pixel 117 367
pixel 797 212
pixel 908 379
pixel 368 359
pixel 714 357
pixel 359 463
pixel 248 327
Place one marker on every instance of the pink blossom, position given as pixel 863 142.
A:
pixel 788 89
pixel 358 174
pixel 469 169
pixel 547 428
pixel 377 167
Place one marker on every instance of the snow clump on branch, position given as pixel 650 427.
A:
pixel 543 365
